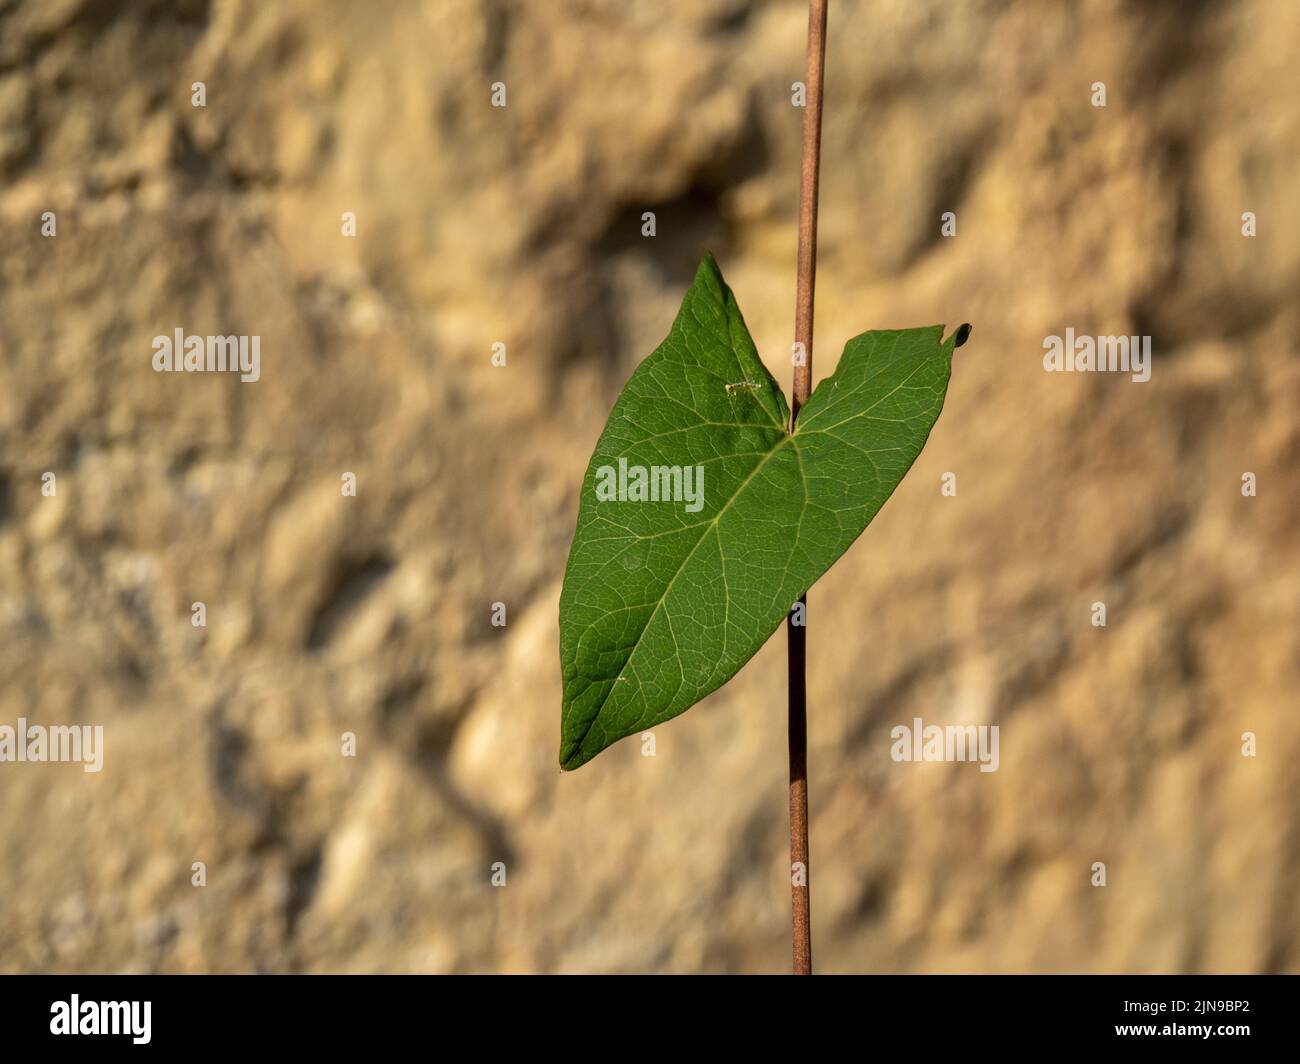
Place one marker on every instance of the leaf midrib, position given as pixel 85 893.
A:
pixel 787 436
pixel 709 527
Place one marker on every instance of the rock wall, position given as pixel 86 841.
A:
pixel 328 613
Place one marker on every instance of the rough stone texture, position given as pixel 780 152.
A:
pixel 371 614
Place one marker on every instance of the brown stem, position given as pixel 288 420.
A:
pixel 801 924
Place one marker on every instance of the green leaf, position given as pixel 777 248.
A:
pixel 664 601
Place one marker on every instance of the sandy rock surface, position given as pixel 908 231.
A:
pixel 521 225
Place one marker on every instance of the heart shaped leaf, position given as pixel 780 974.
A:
pixel 702 519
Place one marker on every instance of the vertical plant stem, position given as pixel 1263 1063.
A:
pixel 810 166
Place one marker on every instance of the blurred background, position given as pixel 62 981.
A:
pixel 521 225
